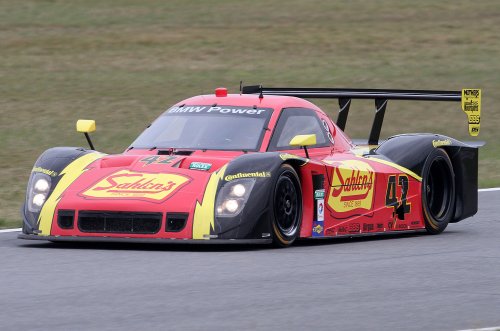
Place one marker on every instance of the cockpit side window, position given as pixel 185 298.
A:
pixel 296 121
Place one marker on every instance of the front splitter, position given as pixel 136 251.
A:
pixel 144 240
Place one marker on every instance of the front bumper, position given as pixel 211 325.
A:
pixel 143 240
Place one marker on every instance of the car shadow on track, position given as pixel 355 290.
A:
pixel 218 247
pixel 359 238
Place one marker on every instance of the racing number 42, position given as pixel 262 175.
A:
pixel 401 206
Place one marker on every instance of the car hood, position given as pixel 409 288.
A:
pixel 140 183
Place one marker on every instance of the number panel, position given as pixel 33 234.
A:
pixel 396 203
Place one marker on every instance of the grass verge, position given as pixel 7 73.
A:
pixel 121 63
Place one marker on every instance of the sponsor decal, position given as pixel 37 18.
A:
pixel 470 99
pixel 471 105
pixel 319 194
pixel 125 184
pixel 157 160
pixel 200 166
pixel 226 110
pixel 353 183
pixel 48 172
pixel 354 227
pixel 257 174
pixel 368 227
pixel 327 131
pixel 439 143
pixel 342 230
pixel 325 125
pixel 330 232
pixel 330 137
pixel 320 207
pixel 317 230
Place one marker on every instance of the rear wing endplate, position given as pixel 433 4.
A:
pixel 469 98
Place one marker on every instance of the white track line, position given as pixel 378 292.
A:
pixel 494 328
pixel 489 189
pixel 10 230
pixel 480 190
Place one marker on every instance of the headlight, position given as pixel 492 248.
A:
pixel 42 185
pixel 231 206
pixel 233 196
pixel 38 200
pixel 238 190
pixel 38 191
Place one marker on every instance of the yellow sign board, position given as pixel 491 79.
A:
pixel 471 105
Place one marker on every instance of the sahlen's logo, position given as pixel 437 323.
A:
pixel 126 184
pixel 352 188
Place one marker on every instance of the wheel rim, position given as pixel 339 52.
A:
pixel 286 202
pixel 438 186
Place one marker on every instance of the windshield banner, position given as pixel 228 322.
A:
pixel 220 110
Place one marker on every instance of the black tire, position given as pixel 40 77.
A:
pixel 438 191
pixel 286 202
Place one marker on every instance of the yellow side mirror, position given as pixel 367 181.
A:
pixel 85 126
pixel 303 140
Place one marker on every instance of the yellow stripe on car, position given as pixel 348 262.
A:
pixel 203 220
pixel 69 175
pixel 397 166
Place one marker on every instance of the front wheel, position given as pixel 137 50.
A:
pixel 287 207
pixel 438 191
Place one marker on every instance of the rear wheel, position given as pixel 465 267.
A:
pixel 287 207
pixel 438 191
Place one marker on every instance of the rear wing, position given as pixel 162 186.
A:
pixel 469 98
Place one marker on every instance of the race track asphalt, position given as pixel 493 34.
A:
pixel 403 282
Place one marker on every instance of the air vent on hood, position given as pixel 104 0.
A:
pixel 174 152
pixel 116 161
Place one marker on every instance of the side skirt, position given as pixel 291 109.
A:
pixel 367 234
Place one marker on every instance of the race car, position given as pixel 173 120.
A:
pixel 262 166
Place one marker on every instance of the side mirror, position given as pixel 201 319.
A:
pixel 303 140
pixel 86 126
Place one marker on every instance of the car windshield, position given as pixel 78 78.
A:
pixel 207 127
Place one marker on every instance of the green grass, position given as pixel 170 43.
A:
pixel 123 62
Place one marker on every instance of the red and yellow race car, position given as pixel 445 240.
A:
pixel 261 166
